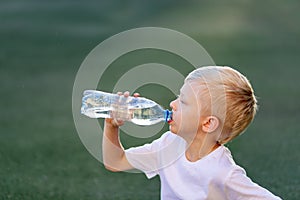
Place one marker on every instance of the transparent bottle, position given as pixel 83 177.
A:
pixel 138 110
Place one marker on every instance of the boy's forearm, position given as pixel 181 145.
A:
pixel 113 152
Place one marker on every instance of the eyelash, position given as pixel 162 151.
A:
pixel 178 97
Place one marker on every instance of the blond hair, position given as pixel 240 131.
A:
pixel 231 96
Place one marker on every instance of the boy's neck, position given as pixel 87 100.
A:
pixel 199 149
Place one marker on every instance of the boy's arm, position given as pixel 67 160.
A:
pixel 240 186
pixel 114 158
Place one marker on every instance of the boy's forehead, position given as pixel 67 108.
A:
pixel 186 87
pixel 190 87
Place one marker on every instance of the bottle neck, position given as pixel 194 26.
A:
pixel 168 115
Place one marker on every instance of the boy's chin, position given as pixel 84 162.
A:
pixel 172 129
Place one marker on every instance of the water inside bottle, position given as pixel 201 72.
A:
pixel 95 108
pixel 147 115
pixel 96 113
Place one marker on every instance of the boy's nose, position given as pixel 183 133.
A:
pixel 172 105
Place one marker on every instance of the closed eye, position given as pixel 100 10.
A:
pixel 180 99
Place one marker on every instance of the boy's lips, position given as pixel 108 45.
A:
pixel 170 121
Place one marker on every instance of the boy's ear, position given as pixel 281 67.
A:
pixel 210 124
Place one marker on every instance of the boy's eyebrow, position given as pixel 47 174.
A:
pixel 180 91
pixel 181 94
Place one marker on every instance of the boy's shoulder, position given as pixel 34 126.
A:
pixel 169 138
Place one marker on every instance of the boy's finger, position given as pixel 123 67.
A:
pixel 118 122
pixel 126 94
pixel 136 94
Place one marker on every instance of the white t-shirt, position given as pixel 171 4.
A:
pixel 216 176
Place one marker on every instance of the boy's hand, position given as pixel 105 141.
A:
pixel 116 122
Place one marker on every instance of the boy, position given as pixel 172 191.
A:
pixel 215 105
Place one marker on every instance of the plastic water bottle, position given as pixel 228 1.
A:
pixel 138 110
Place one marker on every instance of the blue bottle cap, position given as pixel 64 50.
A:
pixel 168 116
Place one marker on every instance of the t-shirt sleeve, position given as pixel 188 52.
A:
pixel 145 158
pixel 239 186
pixel 151 158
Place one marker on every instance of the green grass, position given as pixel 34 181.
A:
pixel 42 44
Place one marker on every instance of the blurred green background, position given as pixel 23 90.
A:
pixel 43 43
